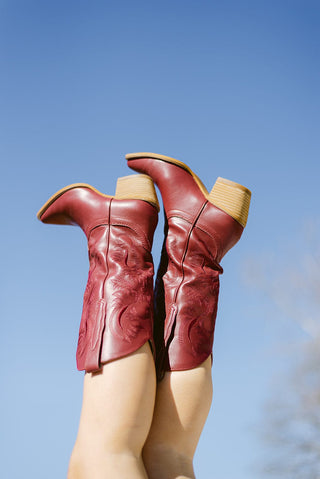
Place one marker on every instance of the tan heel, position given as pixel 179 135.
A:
pixel 138 187
pixel 232 198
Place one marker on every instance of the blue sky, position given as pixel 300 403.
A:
pixel 232 89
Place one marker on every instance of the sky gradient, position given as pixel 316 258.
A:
pixel 230 88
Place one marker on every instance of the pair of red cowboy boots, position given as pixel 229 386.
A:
pixel 118 312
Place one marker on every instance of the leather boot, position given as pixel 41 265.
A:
pixel 200 229
pixel 117 316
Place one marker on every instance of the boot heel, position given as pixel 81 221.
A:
pixel 232 198
pixel 138 187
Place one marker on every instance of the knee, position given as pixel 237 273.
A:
pixel 168 461
pixel 101 462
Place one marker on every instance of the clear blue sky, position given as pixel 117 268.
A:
pixel 232 89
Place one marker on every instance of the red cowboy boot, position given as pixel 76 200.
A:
pixel 200 229
pixel 117 317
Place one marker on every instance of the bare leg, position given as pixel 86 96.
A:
pixel 115 420
pixel 182 405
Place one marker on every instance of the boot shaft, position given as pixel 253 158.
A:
pixel 117 307
pixel 200 229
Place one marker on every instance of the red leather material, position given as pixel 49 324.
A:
pixel 198 235
pixel 117 317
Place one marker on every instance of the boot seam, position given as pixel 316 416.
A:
pixel 174 310
pixel 186 246
pixel 214 236
pixel 143 238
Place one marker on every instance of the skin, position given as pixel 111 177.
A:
pixel 182 405
pixel 116 415
pixel 131 430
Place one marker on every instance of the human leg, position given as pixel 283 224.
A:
pixel 182 404
pixel 200 229
pixel 115 420
pixel 116 325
